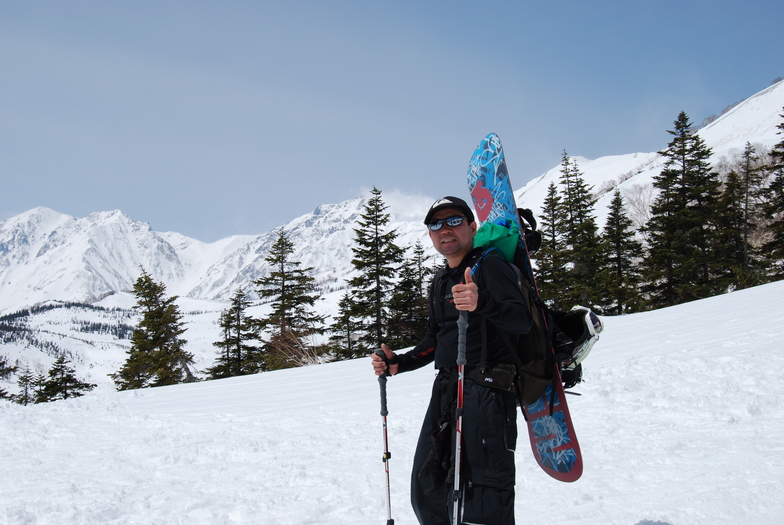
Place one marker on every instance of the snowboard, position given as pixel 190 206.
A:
pixel 550 430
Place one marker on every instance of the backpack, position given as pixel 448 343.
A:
pixel 556 338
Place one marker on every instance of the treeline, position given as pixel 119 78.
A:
pixel 702 230
pixel 119 330
pixel 60 382
pixel 708 230
pixel 705 230
pixel 386 301
pixel 14 328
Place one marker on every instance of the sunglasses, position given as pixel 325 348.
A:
pixel 452 222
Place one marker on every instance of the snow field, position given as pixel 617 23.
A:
pixel 680 423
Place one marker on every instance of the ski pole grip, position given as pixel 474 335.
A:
pixel 462 325
pixel 382 383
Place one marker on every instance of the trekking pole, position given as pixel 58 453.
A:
pixel 462 324
pixel 382 383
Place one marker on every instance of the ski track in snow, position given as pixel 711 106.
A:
pixel 680 423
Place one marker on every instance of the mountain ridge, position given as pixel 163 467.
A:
pixel 46 255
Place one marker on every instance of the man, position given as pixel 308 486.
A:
pixel 492 297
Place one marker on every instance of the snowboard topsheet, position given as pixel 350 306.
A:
pixel 488 183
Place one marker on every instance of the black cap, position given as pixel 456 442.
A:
pixel 453 203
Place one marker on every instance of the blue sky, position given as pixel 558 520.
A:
pixel 221 118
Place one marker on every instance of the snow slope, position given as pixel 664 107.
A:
pixel 680 422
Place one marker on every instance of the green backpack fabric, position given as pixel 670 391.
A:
pixel 492 235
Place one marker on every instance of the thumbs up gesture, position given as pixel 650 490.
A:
pixel 467 294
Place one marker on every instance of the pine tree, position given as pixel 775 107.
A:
pixel 551 259
pixel 580 236
pixel 6 369
pixel 38 385
pixel 662 263
pixel 63 383
pixel 731 232
pixel 773 248
pixel 5 372
pixel 292 321
pixel 409 305
pixel 345 330
pixel 377 259
pixel 682 232
pixel 156 356
pixel 621 252
pixel 237 356
pixel 741 209
pixel 25 383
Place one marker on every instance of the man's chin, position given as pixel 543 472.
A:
pixel 449 248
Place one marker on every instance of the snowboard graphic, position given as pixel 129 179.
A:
pixel 488 183
pixel 552 436
pixel 553 440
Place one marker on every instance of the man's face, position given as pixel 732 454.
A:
pixel 454 243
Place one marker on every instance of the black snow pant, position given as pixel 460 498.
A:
pixel 487 468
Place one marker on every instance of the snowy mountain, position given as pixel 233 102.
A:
pixel 45 255
pixel 679 420
pixel 51 260
pixel 753 120
pixel 48 258
pixel 680 423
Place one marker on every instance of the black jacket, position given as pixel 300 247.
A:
pixel 501 303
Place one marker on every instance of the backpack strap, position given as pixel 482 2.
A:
pixel 483 321
pixel 437 285
pixel 483 355
pixel 540 317
pixel 435 291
